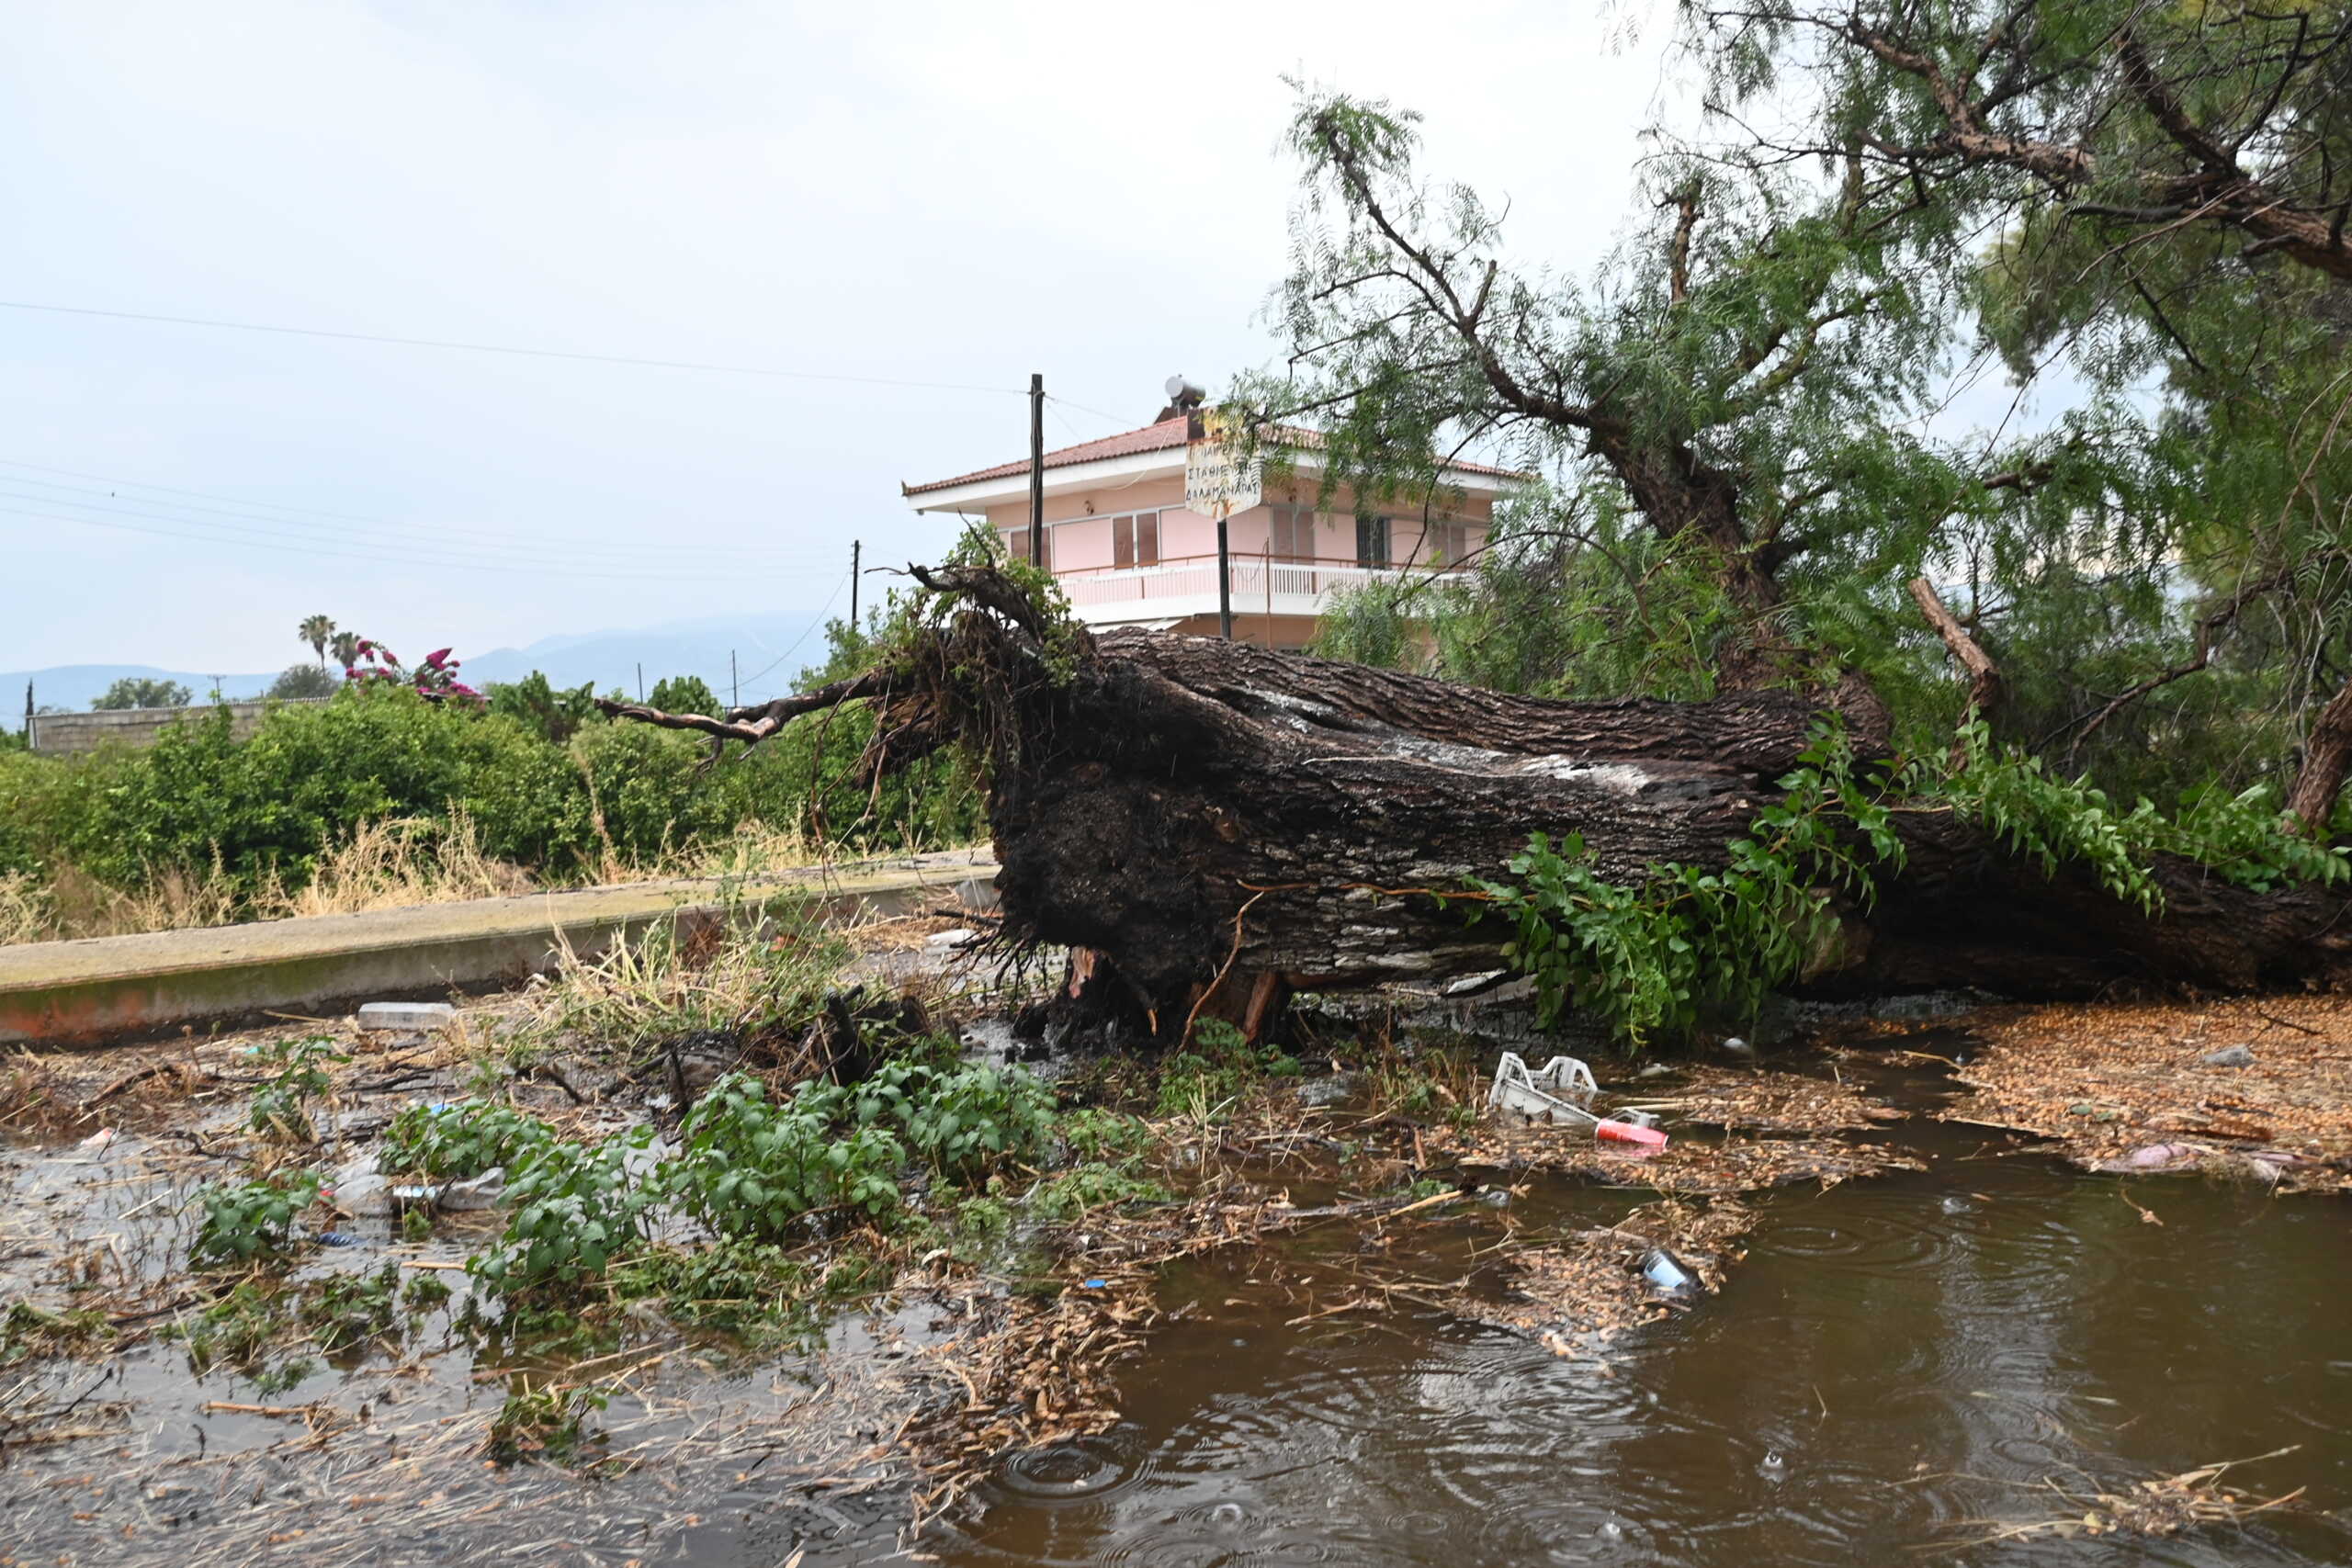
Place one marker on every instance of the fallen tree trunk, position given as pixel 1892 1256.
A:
pixel 1194 811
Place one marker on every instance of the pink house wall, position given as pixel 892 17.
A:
pixel 1078 525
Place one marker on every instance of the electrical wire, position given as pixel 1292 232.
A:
pixel 1115 422
pixel 249 508
pixel 452 544
pixel 414 559
pixel 803 633
pixel 510 349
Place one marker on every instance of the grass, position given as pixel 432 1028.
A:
pixel 747 977
pixel 392 864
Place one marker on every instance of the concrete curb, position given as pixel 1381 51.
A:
pixel 128 987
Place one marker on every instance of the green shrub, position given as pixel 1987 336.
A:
pixel 575 1207
pixel 457 1141
pixel 247 1221
pixel 545 1423
pixel 343 1312
pixel 280 1106
pixel 752 1169
pixel 965 1121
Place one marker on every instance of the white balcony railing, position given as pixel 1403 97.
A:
pixel 1183 587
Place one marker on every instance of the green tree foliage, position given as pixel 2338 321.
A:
pixel 268 806
pixel 303 680
pixel 2156 199
pixel 1739 389
pixel 554 713
pixel 683 694
pixel 140 691
pixel 316 631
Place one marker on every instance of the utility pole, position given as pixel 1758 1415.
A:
pixel 640 680
pixel 856 549
pixel 1037 468
pixel 1224 579
pixel 1270 585
pixel 29 714
pixel 734 686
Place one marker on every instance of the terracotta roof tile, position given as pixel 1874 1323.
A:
pixel 1150 438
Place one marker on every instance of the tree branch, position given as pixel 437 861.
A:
pixel 1983 675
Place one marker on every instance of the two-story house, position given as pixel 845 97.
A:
pixel 1119 540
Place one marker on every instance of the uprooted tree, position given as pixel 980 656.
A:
pixel 1197 816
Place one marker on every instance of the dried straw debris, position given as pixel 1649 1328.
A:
pixel 2129 1087
pixel 1578 1293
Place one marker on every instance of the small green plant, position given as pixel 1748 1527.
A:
pixel 575 1207
pixel 752 1169
pixel 235 1329
pixel 544 1423
pixel 285 1376
pixel 427 1292
pixel 459 1142
pixel 755 1291
pixel 1072 1194
pixel 245 1221
pixel 976 1119
pixel 343 1312
pixel 1092 1134
pixel 27 1331
pixel 280 1105
pixel 1219 1065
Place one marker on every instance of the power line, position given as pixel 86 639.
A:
pixel 1116 422
pixel 540 569
pixel 805 631
pixel 578 357
pixel 480 542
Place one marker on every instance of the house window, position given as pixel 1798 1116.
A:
pixel 1372 541
pixel 1292 534
pixel 1016 544
pixel 1135 539
pixel 1447 542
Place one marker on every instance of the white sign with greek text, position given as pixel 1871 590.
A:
pixel 1217 482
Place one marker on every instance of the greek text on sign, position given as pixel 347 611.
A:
pixel 1217 483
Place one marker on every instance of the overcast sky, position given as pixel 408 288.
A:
pixel 952 193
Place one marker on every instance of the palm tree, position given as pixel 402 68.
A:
pixel 315 630
pixel 346 648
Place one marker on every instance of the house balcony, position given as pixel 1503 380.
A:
pixel 1184 589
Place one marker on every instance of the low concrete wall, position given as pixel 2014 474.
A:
pixel 61 733
pixel 130 986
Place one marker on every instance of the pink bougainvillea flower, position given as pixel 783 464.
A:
pixel 432 660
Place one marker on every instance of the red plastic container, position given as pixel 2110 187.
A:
pixel 1646 1138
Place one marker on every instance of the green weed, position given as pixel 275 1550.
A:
pixel 247 1222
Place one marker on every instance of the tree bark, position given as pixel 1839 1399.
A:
pixel 2328 758
pixel 1189 809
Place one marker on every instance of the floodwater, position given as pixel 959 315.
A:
pixel 1901 1371
pixel 1896 1374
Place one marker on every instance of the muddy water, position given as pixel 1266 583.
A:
pixel 1895 1374
pixel 1899 1365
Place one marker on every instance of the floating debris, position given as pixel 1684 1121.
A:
pixel 2141 1088
pixel 1575 1294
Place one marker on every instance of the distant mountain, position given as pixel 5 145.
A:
pixel 769 650
pixel 76 687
